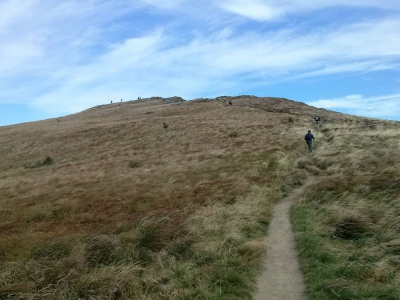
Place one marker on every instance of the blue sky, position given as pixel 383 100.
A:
pixel 60 57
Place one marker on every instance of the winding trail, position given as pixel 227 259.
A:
pixel 282 278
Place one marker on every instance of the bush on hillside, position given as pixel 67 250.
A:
pixel 233 134
pixel 46 162
pixel 134 164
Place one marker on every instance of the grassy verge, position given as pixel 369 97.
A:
pixel 347 224
pixel 337 269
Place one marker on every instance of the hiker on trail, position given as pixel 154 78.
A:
pixel 317 119
pixel 230 102
pixel 309 139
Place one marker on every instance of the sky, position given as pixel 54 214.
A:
pixel 61 57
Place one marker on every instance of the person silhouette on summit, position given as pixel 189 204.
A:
pixel 309 139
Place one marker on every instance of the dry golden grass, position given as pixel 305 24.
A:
pixel 132 209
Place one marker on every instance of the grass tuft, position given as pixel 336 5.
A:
pixel 55 250
pixel 100 250
pixel 353 227
pixel 252 250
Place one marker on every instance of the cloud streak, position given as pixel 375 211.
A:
pixel 155 61
pixel 80 54
pixel 270 10
pixel 387 106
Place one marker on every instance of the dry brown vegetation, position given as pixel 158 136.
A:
pixel 112 204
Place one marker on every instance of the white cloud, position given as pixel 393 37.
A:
pixel 12 10
pixel 16 54
pixel 253 9
pixel 266 10
pixel 79 54
pixel 157 64
pixel 380 106
pixel 164 4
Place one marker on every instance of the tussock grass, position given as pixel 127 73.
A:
pixel 131 210
pixel 348 220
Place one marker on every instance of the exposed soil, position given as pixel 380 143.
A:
pixel 282 278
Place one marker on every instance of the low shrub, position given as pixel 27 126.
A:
pixel 134 164
pixel 45 162
pixel 233 134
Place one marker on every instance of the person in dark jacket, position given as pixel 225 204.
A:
pixel 317 119
pixel 309 139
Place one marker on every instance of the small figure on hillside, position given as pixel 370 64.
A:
pixel 317 119
pixel 121 100
pixel 309 139
pixel 111 101
pixel 230 102
pixel 165 125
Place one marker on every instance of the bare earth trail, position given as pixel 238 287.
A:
pixel 282 278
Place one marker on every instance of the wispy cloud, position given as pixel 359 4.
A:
pixel 79 54
pixel 266 10
pixel 11 10
pixel 207 65
pixel 164 4
pixel 254 9
pixel 381 106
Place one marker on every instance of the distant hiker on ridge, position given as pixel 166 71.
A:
pixel 230 102
pixel 309 139
pixel 317 119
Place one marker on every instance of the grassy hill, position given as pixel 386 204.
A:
pixel 166 199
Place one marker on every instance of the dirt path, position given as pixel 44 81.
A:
pixel 282 278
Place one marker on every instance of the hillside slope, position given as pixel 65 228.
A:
pixel 163 199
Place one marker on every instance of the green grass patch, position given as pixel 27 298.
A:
pixel 340 267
